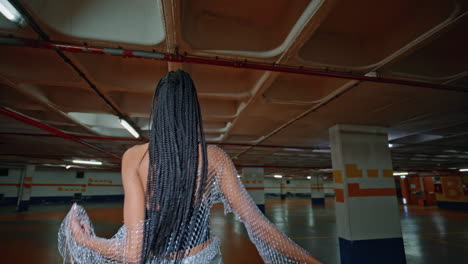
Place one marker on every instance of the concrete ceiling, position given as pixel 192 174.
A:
pixel 278 120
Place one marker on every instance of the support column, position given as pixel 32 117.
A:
pixel 282 189
pixel 24 191
pixel 253 182
pixel 317 194
pixel 367 212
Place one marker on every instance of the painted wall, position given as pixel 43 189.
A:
pixel 55 185
pixel 418 190
pixel 328 188
pixel 63 185
pixel 295 188
pixel 452 192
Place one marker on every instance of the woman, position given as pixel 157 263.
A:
pixel 170 185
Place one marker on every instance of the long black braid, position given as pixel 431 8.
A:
pixel 173 189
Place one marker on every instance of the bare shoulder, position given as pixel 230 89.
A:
pixel 133 155
pixel 136 151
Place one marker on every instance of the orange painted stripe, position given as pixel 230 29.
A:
pixel 10 184
pixel 316 188
pixel 105 185
pixel 268 187
pixel 254 188
pixel 354 190
pixel 337 176
pixel 372 173
pixel 59 184
pixel 388 173
pixel 352 171
pixel 339 195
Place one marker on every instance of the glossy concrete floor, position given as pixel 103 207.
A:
pixel 431 235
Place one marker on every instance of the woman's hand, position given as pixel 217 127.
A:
pixel 80 231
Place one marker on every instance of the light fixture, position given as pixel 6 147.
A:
pixel 404 200
pixel 292 149
pixel 399 173
pixel 278 176
pixel 390 145
pixel 322 150
pixel 402 176
pixel 88 162
pixel 463 169
pixel 130 129
pixel 238 176
pixel 308 177
pixel 67 167
pixel 9 11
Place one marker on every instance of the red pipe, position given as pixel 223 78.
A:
pixel 144 140
pixel 279 167
pixel 35 123
pixel 45 157
pixel 67 47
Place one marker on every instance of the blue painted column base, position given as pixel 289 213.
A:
pixel 318 201
pixel 452 205
pixel 371 251
pixel 261 207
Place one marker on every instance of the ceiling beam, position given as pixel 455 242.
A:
pixel 398 54
pixel 43 102
pixel 218 61
pixel 50 129
pixel 45 37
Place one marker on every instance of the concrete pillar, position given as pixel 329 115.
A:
pixel 24 191
pixel 367 212
pixel 283 189
pixel 317 194
pixel 253 182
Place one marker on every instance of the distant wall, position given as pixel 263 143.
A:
pixel 328 188
pixel 62 185
pixel 452 192
pixel 65 185
pixel 291 188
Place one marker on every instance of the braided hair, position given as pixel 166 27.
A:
pixel 177 154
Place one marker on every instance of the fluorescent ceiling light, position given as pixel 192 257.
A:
pixel 130 129
pixel 9 11
pixel 402 176
pixel 390 145
pixel 463 169
pixel 238 176
pixel 88 162
pixel 399 173
pixel 308 177
pixel 322 150
pixel 67 167
pixel 292 149
pixel 278 176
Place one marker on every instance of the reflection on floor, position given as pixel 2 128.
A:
pixel 431 235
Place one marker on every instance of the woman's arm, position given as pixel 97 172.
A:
pixel 128 249
pixel 262 232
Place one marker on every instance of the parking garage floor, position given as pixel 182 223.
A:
pixel 431 235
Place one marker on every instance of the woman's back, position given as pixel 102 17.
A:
pixel 170 185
